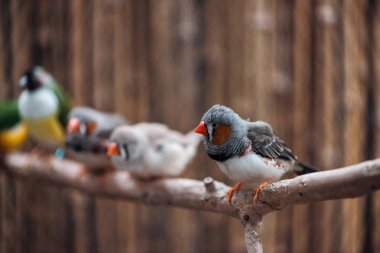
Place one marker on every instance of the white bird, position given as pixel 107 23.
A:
pixel 149 150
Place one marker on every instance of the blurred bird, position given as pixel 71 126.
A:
pixel 94 158
pixel 12 131
pixel 43 106
pixel 247 152
pixel 150 150
pixel 87 131
pixel 85 122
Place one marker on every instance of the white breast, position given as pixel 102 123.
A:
pixel 37 104
pixel 253 169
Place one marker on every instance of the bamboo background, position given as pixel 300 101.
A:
pixel 310 68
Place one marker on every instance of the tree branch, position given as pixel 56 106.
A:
pixel 209 195
pixel 187 193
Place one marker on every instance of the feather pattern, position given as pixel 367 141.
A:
pixel 266 143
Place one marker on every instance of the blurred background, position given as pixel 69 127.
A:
pixel 309 68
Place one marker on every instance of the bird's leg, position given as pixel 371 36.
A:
pixel 231 192
pixel 257 190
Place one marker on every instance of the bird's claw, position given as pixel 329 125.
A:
pixel 257 190
pixel 231 192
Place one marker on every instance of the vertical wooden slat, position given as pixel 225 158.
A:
pixel 21 36
pixel 103 90
pixel 281 97
pixel 84 235
pixel 10 236
pixel 126 90
pixel 185 224
pixel 216 56
pixel 355 71
pixel 127 100
pixel 329 104
pixel 374 54
pixel 141 75
pixel 316 125
pixel 213 51
pixel 234 50
pixel 260 66
pixel 140 95
pixel 161 71
pixel 103 52
pixel 6 24
pixel 80 52
pixel 258 49
pixel 238 92
pixel 162 62
pixel 302 76
pixel 79 85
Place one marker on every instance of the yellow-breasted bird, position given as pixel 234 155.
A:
pixel 12 130
pixel 43 107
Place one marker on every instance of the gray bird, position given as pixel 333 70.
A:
pixel 150 150
pixel 247 152
pixel 87 132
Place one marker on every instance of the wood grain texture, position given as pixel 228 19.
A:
pixel 355 79
pixel 310 68
pixel 374 52
pixel 303 73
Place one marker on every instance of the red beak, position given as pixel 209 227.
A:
pixel 73 125
pixel 201 129
pixel 112 149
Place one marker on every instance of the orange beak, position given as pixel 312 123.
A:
pixel 201 129
pixel 73 126
pixel 112 149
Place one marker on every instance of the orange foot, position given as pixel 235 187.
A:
pixel 257 190
pixel 231 192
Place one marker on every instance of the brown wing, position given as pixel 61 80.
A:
pixel 266 143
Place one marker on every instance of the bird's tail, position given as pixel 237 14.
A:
pixel 301 169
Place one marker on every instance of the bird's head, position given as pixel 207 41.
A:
pixel 34 78
pixel 127 143
pixel 80 134
pixel 217 124
pixel 118 149
pixel 81 126
pixel 223 130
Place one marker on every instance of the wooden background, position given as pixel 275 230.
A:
pixel 310 68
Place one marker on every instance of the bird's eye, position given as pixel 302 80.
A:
pixel 124 152
pixel 214 125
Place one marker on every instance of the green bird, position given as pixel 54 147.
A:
pixel 9 115
pixel 43 106
pixel 12 130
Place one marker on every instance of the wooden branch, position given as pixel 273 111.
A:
pixel 208 195
pixel 187 193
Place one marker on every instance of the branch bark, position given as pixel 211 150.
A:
pixel 208 195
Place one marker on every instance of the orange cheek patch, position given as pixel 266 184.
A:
pixel 90 127
pixel 221 134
